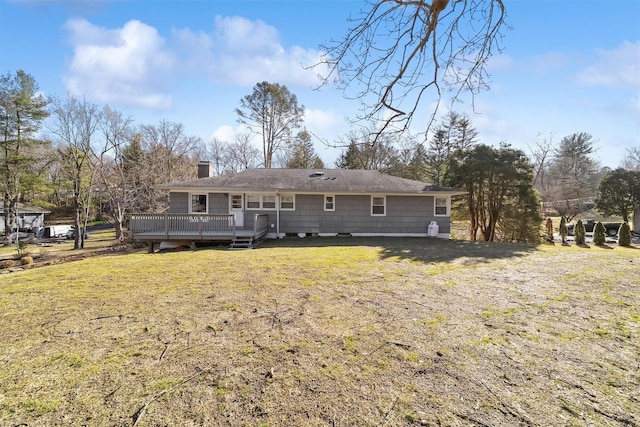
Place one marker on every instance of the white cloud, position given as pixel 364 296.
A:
pixel 123 66
pixel 326 127
pixel 244 52
pixel 321 120
pixel 619 67
pixel 501 62
pixel 224 133
pixel 133 65
pixel 237 34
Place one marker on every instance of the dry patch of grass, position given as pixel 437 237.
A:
pixel 53 251
pixel 321 332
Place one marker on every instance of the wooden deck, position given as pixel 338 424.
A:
pixel 153 228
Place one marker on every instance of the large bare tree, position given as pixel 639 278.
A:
pixel 118 188
pixel 235 156
pixel 272 112
pixel 75 127
pixel 167 154
pixel 399 52
pixel 632 159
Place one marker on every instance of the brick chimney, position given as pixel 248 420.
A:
pixel 204 169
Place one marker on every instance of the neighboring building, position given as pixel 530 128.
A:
pixel 303 202
pixel 28 217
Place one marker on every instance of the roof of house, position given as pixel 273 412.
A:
pixel 310 180
pixel 26 208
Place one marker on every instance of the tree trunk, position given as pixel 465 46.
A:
pixel 8 219
pixel 118 226
pixel 118 220
pixel 76 224
pixel 77 213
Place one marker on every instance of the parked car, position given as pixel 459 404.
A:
pixel 54 231
pixel 611 228
pixel 71 234
pixel 21 235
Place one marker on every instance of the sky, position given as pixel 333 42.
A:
pixel 567 66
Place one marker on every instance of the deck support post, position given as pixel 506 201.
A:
pixel 150 249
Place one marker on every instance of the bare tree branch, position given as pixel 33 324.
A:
pixel 401 51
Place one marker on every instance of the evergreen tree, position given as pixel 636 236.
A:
pixel 22 112
pixel 573 174
pixel 464 135
pixel 363 153
pixel 500 195
pixel 624 235
pixel 302 154
pixel 599 234
pixel 350 158
pixel 437 154
pixel 456 133
pixel 418 168
pixel 619 193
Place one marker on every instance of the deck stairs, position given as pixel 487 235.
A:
pixel 245 242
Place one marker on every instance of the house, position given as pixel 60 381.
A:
pixel 28 217
pixel 274 203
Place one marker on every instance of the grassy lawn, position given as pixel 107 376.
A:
pixel 326 332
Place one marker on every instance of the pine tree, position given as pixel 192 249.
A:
pixel 303 155
pixel 624 235
pixel 599 234
pixel 500 201
pixel 22 113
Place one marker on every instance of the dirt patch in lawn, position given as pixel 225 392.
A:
pixel 319 332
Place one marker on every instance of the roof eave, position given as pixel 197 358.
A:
pixel 192 189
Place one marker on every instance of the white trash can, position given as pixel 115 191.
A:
pixel 432 229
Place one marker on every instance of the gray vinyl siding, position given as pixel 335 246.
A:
pixel 404 214
pixel 178 202
pixel 218 203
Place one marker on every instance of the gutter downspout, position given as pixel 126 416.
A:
pixel 277 214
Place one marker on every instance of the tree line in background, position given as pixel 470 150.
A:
pixel 93 160
pixel 96 161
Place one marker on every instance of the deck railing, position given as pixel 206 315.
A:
pixel 260 225
pixel 166 226
pixel 181 226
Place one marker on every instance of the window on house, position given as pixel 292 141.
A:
pixel 378 205
pixel 268 202
pixel 236 201
pixel 198 203
pixel 253 201
pixel 261 201
pixel 329 203
pixel 441 206
pixel 287 202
